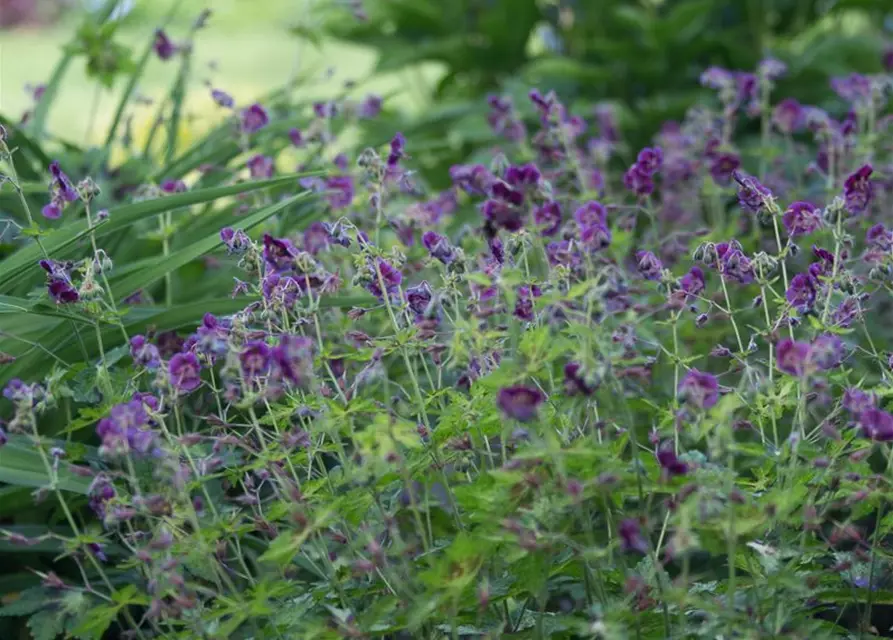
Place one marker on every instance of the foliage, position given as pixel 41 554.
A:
pixel 552 399
pixel 644 58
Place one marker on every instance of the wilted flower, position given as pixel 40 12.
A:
pixel 520 402
pixel 858 189
pixel 649 265
pixel 699 389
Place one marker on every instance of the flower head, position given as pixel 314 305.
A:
pixel 184 372
pixel 699 389
pixel 254 118
pixel 164 48
pixel 801 218
pixel 792 357
pixel 858 189
pixel 520 402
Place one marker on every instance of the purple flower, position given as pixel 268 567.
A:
pixel 222 98
pixel 61 192
pixel 144 353
pixel 671 466
pixel 699 389
pixel 474 179
pixel 419 299
pixel 61 290
pixel 547 216
pixel 184 372
pixel 384 272
pixel 255 359
pixel 340 191
pixel 174 186
pixel 293 357
pixel 792 357
pixel 502 215
pixel 631 538
pixel 853 88
pixel 649 265
pixel 575 380
pixel 591 219
pixel 801 292
pixel 398 144
pixel 236 240
pixel 520 402
pixel 279 254
pixel 370 107
pixel 164 48
pixel 438 246
pixel 826 352
pixel 692 283
pixel 876 424
pixel 316 238
pixel 261 166
pixel 254 118
pixel 525 175
pixel 858 189
pixel 737 266
pixel 879 237
pixel 638 181
pixel 524 304
pixel 752 195
pixel 771 69
pixel 788 116
pixel 856 401
pixel 723 167
pixel 650 160
pixel 801 218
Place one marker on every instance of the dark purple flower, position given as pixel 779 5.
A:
pixel 523 176
pixel 649 265
pixel 144 353
pixel 474 179
pixel 382 271
pixel 255 359
pixel 279 254
pixel 174 186
pixel 699 389
pixel 419 299
pixel 164 48
pixel 296 137
pixel 670 464
pixel 858 189
pixel 788 116
pixel 524 303
pixel 792 357
pixel 801 292
pixel 887 59
pixel 316 238
pixel 879 237
pixel 631 538
pixel 876 424
pixel 723 166
pixel 502 215
pixel 398 144
pixel 261 166
pixel 51 211
pixel 438 246
pixel 370 107
pixel 520 402
pixel 340 191
pixel 254 118
pixel 826 352
pixel 638 181
pixel 222 98
pixel 856 401
pixel 184 372
pixel 547 216
pixel 692 283
pixel 801 218
pixel 737 266
pixel 61 290
pixel 752 195
pixel 293 357
pixel 575 380
pixel 853 88
pixel 650 160
pixel 236 240
pixel 590 214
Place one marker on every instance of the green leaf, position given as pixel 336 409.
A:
pixel 46 625
pixel 21 465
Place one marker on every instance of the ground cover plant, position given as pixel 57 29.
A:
pixel 262 386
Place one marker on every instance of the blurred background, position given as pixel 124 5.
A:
pixel 435 60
